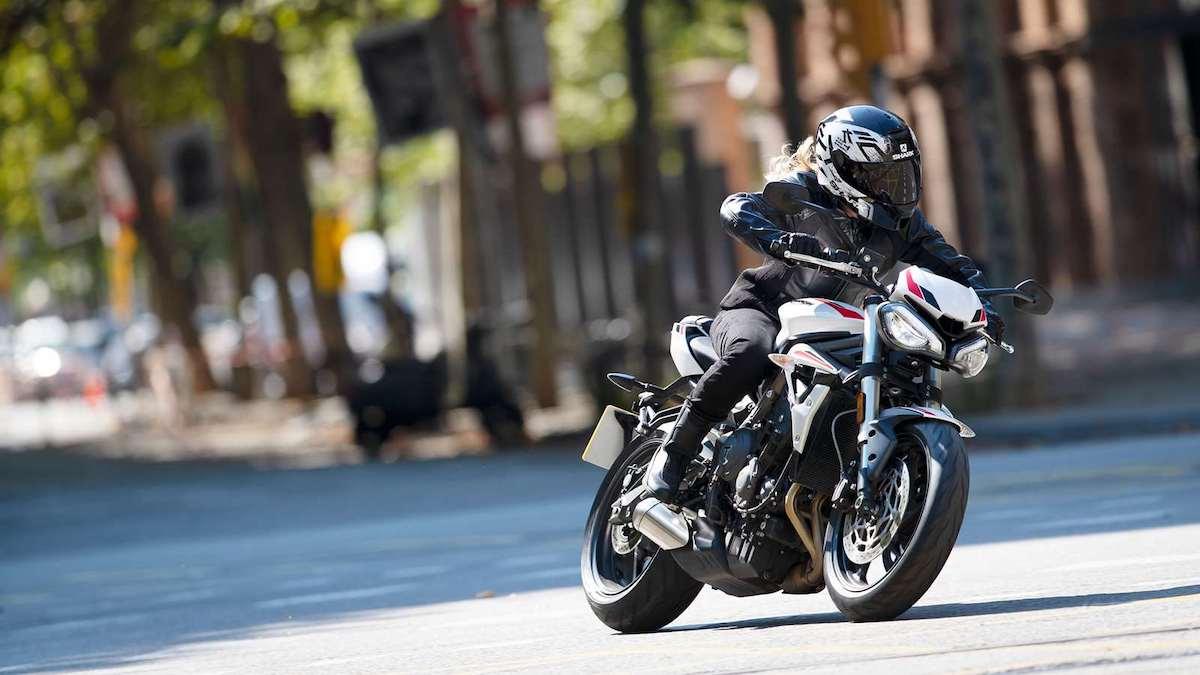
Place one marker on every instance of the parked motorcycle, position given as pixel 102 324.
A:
pixel 846 472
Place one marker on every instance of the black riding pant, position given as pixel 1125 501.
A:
pixel 743 338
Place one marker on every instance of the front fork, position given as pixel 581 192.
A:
pixel 872 438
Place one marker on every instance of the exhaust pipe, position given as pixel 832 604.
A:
pixel 667 528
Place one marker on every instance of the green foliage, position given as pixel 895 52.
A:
pixel 587 51
pixel 44 108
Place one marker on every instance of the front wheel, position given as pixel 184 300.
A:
pixel 631 585
pixel 877 570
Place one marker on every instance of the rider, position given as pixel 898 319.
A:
pixel 863 162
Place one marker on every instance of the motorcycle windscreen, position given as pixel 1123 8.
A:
pixel 609 438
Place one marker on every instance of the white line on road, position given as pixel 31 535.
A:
pixel 1125 562
pixel 303 582
pixel 187 596
pixel 1114 519
pixel 333 596
pixel 553 573
pixel 1006 514
pixel 413 572
pixel 535 560
pixel 77 624
pixel 1168 583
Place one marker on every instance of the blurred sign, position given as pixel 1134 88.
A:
pixel 398 68
pixel 330 229
pixel 398 73
pixel 120 271
pixel 116 190
pixel 526 26
pixel 66 197
pixel 188 153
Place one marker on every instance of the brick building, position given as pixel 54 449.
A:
pixel 1104 104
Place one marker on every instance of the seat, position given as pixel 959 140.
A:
pixel 703 350
pixel 691 346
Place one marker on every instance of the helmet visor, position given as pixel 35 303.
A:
pixel 896 183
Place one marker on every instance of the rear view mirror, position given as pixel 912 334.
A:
pixel 1033 298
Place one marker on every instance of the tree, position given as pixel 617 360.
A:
pixel 529 208
pixel 641 206
pixel 99 43
pixel 784 14
pixel 1005 217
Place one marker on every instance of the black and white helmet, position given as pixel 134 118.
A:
pixel 868 157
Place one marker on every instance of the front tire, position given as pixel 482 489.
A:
pixel 923 539
pixel 631 596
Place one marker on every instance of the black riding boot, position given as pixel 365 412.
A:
pixel 671 461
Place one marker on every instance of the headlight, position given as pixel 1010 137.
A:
pixel 909 332
pixel 970 358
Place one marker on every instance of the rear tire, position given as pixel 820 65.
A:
pixel 930 543
pixel 659 593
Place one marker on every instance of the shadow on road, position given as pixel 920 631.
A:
pixel 126 558
pixel 960 609
pixel 1016 605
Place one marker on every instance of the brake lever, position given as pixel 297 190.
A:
pixel 844 268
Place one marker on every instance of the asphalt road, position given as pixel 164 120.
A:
pixel 1083 556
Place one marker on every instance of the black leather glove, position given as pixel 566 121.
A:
pixel 995 326
pixel 795 242
pixel 837 255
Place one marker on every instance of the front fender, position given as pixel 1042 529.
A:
pixel 899 415
pixel 877 438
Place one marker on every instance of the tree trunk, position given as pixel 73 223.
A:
pixel 177 295
pixel 640 212
pixel 113 34
pixel 529 206
pixel 784 14
pixel 275 140
pixel 1005 212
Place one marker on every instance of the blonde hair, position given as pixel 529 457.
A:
pixel 791 159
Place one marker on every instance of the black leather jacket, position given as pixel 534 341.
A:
pixel 749 217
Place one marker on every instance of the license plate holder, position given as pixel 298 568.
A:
pixel 609 438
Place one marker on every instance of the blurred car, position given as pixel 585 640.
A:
pixel 54 359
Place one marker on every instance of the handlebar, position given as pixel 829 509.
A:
pixel 852 270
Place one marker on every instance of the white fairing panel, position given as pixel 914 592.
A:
pixel 940 296
pixel 816 315
pixel 805 355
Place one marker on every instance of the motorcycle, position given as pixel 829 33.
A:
pixel 846 472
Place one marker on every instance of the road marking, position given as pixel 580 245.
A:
pixel 1141 500
pixel 1007 514
pixel 186 596
pixel 1114 519
pixel 412 572
pixel 76 624
pixel 306 582
pixel 535 560
pixel 554 573
pixel 333 596
pixel 498 645
pixel 1167 584
pixel 1125 562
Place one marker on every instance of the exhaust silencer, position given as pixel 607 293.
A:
pixel 667 528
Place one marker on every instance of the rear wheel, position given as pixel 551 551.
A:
pixel 631 585
pixel 877 570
